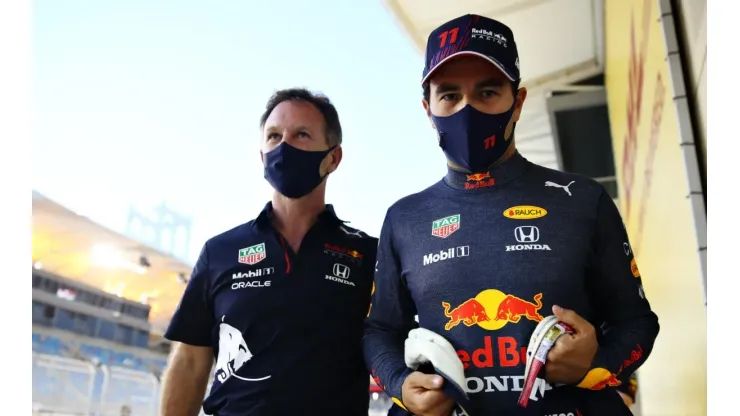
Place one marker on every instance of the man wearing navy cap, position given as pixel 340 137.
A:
pixel 279 301
pixel 497 246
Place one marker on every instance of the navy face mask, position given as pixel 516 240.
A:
pixel 294 172
pixel 472 139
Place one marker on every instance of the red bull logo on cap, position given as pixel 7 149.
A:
pixel 492 309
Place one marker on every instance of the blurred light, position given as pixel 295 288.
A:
pixel 146 297
pixel 106 256
pixel 37 265
pixel 375 396
pixel 66 294
pixel 114 289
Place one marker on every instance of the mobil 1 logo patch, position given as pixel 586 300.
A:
pixel 450 253
pixel 252 278
pixel 527 238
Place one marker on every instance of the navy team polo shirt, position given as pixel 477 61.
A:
pixel 285 327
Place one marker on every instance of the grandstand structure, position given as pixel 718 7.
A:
pixel 101 303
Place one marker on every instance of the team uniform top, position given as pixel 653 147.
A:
pixel 482 258
pixel 285 327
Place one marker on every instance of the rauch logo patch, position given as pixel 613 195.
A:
pixel 525 212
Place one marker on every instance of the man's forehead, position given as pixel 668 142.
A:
pixel 294 113
pixel 468 69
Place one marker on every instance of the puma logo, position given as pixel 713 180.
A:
pixel 565 187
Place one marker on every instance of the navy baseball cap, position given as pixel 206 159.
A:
pixel 472 35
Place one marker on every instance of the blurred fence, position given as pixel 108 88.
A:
pixel 65 386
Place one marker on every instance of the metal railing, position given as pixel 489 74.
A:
pixel 65 386
pixel 69 386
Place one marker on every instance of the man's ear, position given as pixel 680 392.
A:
pixel 335 158
pixel 428 110
pixel 521 96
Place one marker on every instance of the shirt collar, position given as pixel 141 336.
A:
pixel 512 168
pixel 328 215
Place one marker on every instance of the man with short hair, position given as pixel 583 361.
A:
pixel 279 301
pixel 494 248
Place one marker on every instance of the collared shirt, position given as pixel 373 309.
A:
pixel 285 327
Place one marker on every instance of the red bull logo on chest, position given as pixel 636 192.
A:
pixel 253 254
pixel 492 309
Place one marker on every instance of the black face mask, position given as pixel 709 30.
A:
pixel 474 140
pixel 294 172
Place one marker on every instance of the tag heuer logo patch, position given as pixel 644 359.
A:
pixel 444 227
pixel 252 255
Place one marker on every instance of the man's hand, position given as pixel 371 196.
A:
pixel 570 358
pixel 185 380
pixel 627 399
pixel 423 396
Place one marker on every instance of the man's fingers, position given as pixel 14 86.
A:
pixel 571 318
pixel 425 381
pixel 433 400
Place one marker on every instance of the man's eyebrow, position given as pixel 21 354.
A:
pixel 273 128
pixel 491 82
pixel 446 87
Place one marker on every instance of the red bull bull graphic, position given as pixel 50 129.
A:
pixel 354 253
pixel 513 309
pixel 479 180
pixel 491 309
pixel 598 379
pixel 469 313
pixel 343 253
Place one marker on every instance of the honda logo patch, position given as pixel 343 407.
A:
pixel 340 270
pixel 527 234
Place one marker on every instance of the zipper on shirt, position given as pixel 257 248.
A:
pixel 285 252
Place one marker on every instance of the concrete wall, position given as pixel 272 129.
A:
pixel 693 21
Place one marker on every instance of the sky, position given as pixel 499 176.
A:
pixel 137 102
